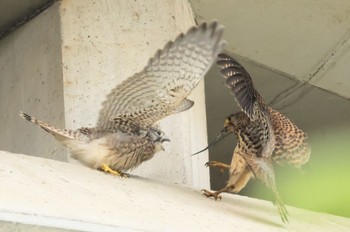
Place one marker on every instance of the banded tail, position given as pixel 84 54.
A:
pixel 60 134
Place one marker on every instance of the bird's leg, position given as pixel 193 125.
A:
pixel 218 164
pixel 106 168
pixel 216 195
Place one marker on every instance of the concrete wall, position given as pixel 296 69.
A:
pixel 31 81
pixel 102 45
pixel 96 45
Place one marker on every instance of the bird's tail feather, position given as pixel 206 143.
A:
pixel 60 134
pixel 281 207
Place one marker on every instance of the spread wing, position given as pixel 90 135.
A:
pixel 161 88
pixel 291 145
pixel 250 101
pixel 241 85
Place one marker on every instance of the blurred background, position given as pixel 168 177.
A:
pixel 298 54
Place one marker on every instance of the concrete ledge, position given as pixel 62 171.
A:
pixel 39 193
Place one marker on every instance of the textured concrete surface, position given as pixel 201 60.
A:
pixel 45 192
pixel 14 11
pixel 103 43
pixel 60 66
pixel 11 226
pixel 307 40
pixel 31 81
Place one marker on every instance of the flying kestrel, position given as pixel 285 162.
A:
pixel 126 133
pixel 262 135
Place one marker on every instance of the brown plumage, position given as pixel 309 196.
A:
pixel 126 133
pixel 262 134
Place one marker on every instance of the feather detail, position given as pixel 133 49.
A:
pixel 169 77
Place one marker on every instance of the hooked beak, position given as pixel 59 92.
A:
pixel 165 139
pixel 223 133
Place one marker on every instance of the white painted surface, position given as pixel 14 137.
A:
pixel 63 195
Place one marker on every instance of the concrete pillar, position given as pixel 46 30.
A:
pixel 31 81
pixel 92 46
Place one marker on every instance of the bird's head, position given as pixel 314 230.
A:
pixel 157 136
pixel 232 124
pixel 235 122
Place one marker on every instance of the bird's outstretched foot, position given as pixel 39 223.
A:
pixel 106 168
pixel 217 164
pixel 208 194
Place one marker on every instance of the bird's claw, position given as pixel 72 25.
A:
pixel 123 175
pixel 209 194
pixel 215 164
pixel 211 164
pixel 107 169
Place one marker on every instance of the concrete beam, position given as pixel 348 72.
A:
pixel 307 40
pixel 53 194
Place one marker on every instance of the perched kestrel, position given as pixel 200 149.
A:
pixel 126 133
pixel 262 134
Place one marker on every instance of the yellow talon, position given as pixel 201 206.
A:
pixel 106 168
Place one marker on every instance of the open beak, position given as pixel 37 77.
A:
pixel 223 133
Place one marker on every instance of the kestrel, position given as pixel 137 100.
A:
pixel 262 135
pixel 126 133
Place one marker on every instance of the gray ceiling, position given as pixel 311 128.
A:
pixel 307 40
